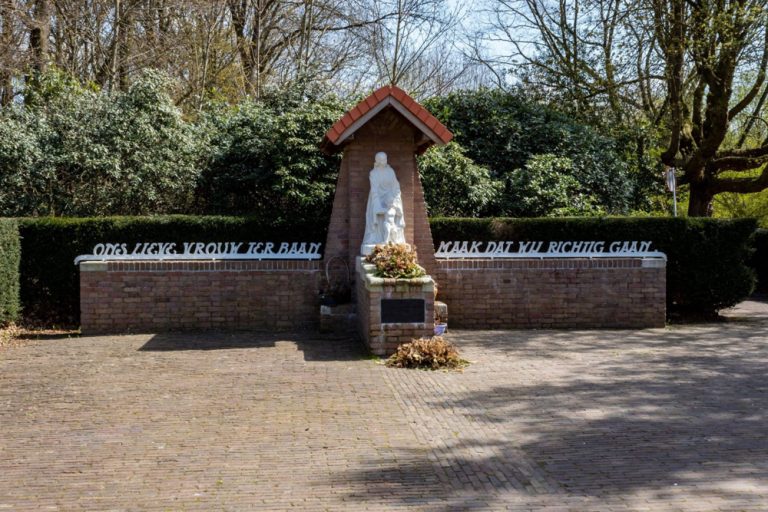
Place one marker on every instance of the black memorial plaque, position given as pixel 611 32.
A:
pixel 402 311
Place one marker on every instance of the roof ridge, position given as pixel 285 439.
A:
pixel 344 127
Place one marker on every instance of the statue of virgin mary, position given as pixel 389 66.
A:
pixel 384 219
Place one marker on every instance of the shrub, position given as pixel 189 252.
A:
pixel 265 160
pixel 9 271
pixel 75 151
pixel 429 353
pixel 454 185
pixel 398 261
pixel 760 259
pixel 707 258
pixel 546 187
pixel 49 278
pixel 503 130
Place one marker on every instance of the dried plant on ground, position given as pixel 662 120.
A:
pixel 429 353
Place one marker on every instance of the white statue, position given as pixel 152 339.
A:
pixel 384 219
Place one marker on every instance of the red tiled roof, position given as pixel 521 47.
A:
pixel 332 136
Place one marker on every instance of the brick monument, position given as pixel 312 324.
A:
pixel 158 285
pixel 388 124
pixel 387 121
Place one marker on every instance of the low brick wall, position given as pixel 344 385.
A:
pixel 560 293
pixel 152 296
pixel 383 338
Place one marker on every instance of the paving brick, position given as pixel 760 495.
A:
pixel 659 419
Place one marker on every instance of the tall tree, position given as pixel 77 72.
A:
pixel 39 32
pixel 707 47
pixel 693 68
pixel 411 45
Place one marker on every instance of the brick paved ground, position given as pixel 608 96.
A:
pixel 667 419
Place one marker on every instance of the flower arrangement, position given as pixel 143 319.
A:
pixel 398 261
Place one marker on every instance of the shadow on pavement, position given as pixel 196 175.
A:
pixel 314 346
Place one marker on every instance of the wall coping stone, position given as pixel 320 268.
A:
pixel 93 266
pixel 540 263
pixel 228 265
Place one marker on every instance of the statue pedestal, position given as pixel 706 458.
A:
pixel 393 311
pixel 366 249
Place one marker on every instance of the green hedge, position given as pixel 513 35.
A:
pixel 707 267
pixel 760 259
pixel 50 291
pixel 9 271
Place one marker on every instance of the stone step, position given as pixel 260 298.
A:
pixel 338 319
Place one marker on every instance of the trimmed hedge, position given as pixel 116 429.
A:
pixel 9 271
pixel 760 259
pixel 50 289
pixel 707 267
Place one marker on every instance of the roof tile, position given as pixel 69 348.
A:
pixel 382 93
pixel 362 108
pixel 347 120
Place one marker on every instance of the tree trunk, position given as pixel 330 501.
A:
pixel 38 35
pixel 6 89
pixel 700 204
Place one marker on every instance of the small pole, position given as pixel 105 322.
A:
pixel 672 186
pixel 674 201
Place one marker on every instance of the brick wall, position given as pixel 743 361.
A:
pixel 161 296
pixel 559 293
pixel 380 338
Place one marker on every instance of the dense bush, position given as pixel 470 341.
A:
pixel 707 258
pixel 77 151
pixel 265 159
pixel 455 186
pixel 505 130
pixel 74 151
pixel 49 277
pixel 9 271
pixel 760 259
pixel 546 187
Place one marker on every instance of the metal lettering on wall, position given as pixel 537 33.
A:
pixel 204 251
pixel 553 249
pixel 402 311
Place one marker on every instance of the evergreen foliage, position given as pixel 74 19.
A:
pixel 75 151
pixel 9 271
pixel 454 185
pixel 265 159
pixel 508 133
pixel 72 150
